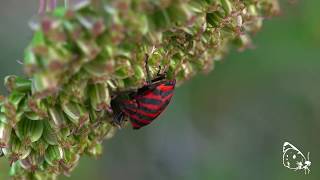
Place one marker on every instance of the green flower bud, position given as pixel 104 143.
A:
pixel 44 84
pixel 76 113
pixel 5 132
pixel 100 68
pixel 10 108
pixel 54 154
pixel 178 13
pixel 198 6
pixel 70 160
pixel 159 20
pixel 16 150
pixel 33 116
pixel 123 69
pixel 95 149
pixel 56 60
pixel 16 170
pixel 111 133
pixel 15 98
pixel 18 84
pixel 92 24
pixel 49 135
pixel 40 175
pixel 214 19
pixel 101 131
pixel 99 96
pixel 30 62
pixel 89 48
pixel 57 118
pixel 3 117
pixel 40 146
pixel 227 6
pixel 31 162
pixel 29 131
pixel 139 75
pixel 37 106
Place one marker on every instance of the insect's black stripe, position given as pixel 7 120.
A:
pixel 146 108
pixel 166 93
pixel 156 92
pixel 141 116
pixel 133 119
pixel 143 122
pixel 137 122
pixel 153 101
pixel 142 108
pixel 159 92
pixel 153 111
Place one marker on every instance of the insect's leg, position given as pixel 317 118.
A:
pixel 160 76
pixel 163 73
pixel 118 115
pixel 118 120
pixel 158 73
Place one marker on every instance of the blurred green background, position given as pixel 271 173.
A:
pixel 230 124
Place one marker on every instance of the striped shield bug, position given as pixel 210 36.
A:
pixel 146 104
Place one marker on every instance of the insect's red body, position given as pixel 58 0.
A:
pixel 148 103
pixel 145 105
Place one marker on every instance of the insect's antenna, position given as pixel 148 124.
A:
pixel 308 156
pixel 147 68
pixel 147 64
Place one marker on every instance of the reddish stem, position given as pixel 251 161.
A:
pixel 42 6
pixel 53 4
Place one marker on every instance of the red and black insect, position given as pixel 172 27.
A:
pixel 145 105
